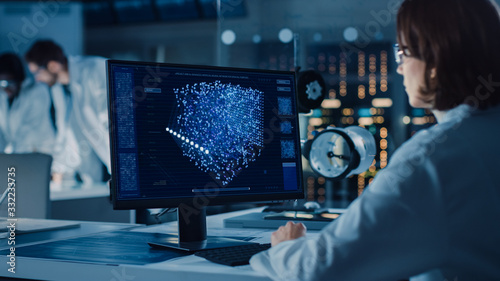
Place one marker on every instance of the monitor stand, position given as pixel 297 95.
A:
pixel 193 233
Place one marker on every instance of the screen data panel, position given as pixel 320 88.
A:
pixel 181 131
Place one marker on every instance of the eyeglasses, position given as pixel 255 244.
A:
pixel 400 52
pixel 4 84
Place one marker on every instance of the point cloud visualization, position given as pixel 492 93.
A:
pixel 220 127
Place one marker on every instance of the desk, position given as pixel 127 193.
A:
pixel 183 268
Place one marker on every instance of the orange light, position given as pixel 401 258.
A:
pixel 383 133
pixel 315 121
pixel 383 144
pixel 332 69
pixel 331 103
pixel 383 154
pixel 365 121
pixel 321 180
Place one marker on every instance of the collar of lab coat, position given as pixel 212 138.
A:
pixel 459 112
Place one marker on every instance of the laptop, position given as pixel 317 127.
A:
pixel 29 178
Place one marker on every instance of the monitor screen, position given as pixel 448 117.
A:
pixel 202 135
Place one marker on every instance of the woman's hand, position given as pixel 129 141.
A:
pixel 287 232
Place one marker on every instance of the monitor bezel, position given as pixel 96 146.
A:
pixel 197 200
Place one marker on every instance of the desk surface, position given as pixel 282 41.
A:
pixel 84 228
pixel 182 268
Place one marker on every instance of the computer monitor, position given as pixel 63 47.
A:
pixel 188 136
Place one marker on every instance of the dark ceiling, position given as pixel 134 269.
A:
pixel 109 12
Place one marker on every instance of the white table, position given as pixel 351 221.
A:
pixel 184 268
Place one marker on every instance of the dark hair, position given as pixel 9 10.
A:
pixel 461 39
pixel 43 51
pixel 11 64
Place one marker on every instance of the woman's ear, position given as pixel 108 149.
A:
pixel 433 73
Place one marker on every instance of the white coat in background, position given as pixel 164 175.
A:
pixel 26 126
pixel 82 120
pixel 432 214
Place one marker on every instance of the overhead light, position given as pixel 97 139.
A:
pixel 285 35
pixel 228 37
pixel 350 34
pixel 256 38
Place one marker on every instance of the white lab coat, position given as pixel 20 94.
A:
pixel 26 126
pixel 433 213
pixel 82 120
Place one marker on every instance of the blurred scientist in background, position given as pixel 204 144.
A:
pixel 78 89
pixel 25 124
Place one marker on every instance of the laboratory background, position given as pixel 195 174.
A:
pixel 348 44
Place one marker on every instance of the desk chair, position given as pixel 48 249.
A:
pixel 32 189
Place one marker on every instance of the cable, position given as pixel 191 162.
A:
pixel 164 211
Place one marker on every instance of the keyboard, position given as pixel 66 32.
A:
pixel 233 256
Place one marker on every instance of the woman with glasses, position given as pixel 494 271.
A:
pixel 25 124
pixel 433 213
